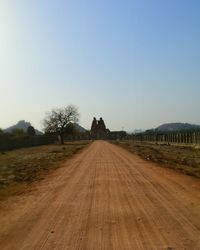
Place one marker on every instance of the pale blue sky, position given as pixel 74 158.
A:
pixel 136 63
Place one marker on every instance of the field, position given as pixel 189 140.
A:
pixel 184 158
pixel 19 168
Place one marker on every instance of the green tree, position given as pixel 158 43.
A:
pixel 59 119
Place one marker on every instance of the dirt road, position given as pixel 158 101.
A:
pixel 105 198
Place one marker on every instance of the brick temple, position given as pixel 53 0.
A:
pixel 98 129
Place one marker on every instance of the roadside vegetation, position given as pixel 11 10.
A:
pixel 183 158
pixel 19 168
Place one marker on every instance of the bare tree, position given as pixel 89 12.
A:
pixel 57 120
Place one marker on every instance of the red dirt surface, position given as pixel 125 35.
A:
pixel 105 198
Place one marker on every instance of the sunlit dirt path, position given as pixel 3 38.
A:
pixel 105 198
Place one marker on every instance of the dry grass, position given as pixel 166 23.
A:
pixel 183 158
pixel 19 168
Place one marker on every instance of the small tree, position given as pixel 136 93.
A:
pixel 30 131
pixel 58 120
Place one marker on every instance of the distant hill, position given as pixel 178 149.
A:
pixel 21 125
pixel 79 128
pixel 24 125
pixel 137 131
pixel 167 127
